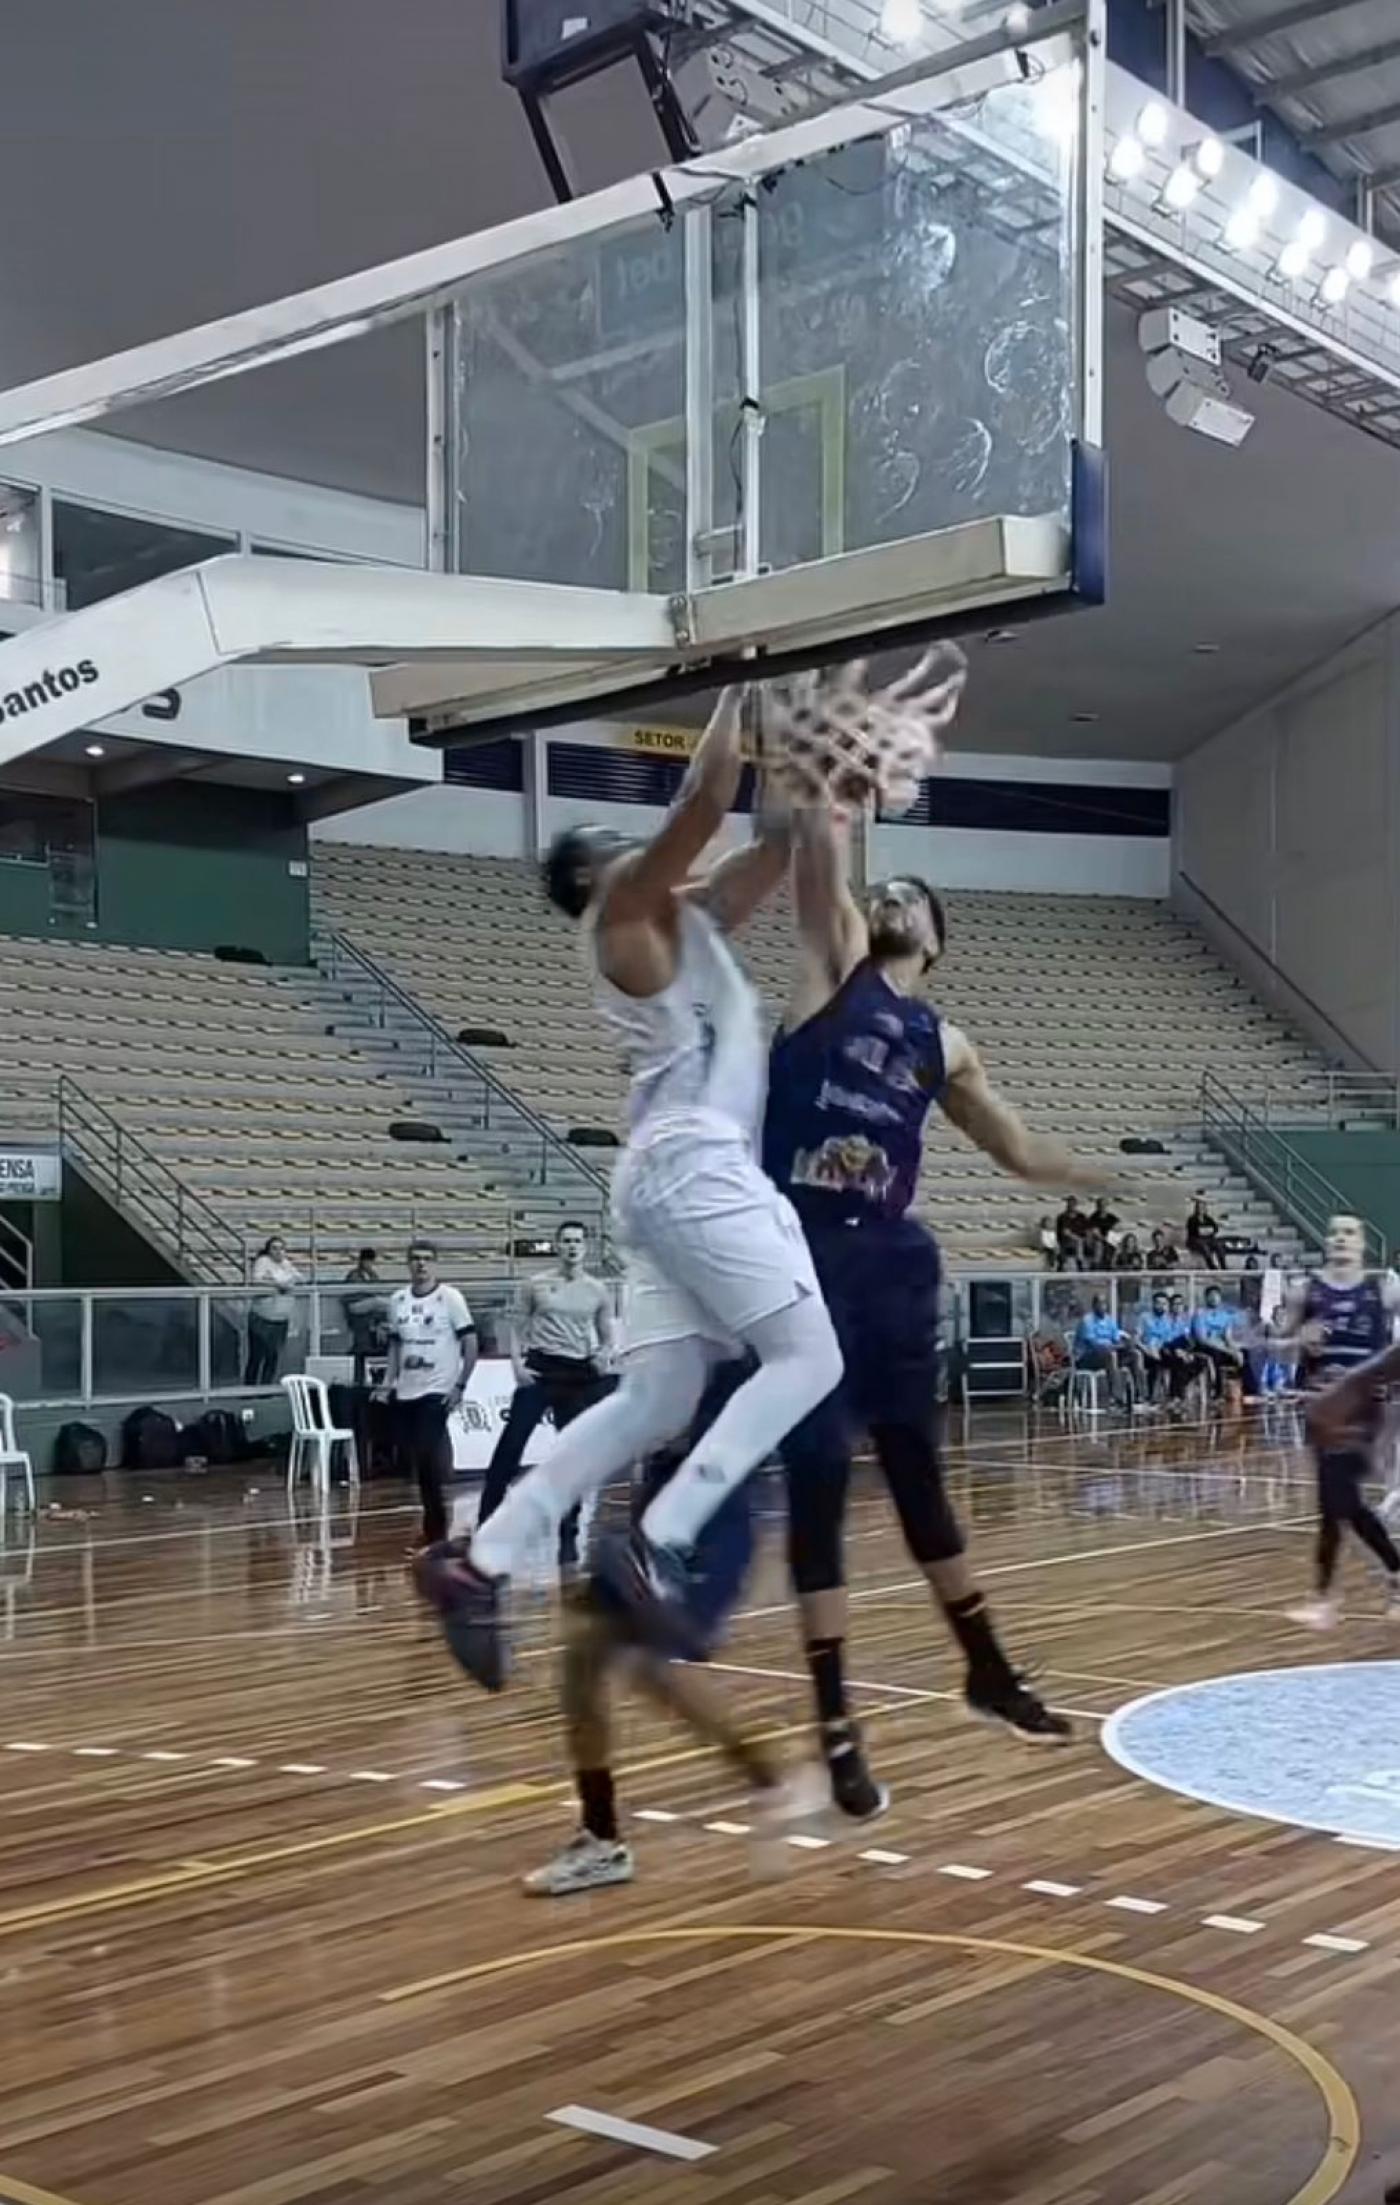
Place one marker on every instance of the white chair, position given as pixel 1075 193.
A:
pixel 1086 1389
pixel 13 1458
pixel 314 1437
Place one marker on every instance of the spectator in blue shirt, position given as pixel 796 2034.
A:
pixel 1167 1347
pixel 1213 1333
pixel 1100 1343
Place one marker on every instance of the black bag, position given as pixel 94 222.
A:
pixel 217 1436
pixel 79 1450
pixel 150 1440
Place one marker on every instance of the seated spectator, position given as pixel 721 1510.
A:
pixel 1164 1337
pixel 1070 1228
pixel 1100 1343
pixel 1214 1333
pixel 1048 1242
pixel 1128 1256
pixel 1163 1256
pixel 1100 1237
pixel 1203 1236
pixel 1280 1367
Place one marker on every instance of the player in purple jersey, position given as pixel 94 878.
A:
pixel 858 1064
pixel 1338 1319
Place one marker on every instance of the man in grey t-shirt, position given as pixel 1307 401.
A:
pixel 563 1329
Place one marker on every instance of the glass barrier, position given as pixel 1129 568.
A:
pixel 41 1347
pixel 145 1345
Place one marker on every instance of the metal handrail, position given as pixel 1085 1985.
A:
pixel 1340 1095
pixel 16 1257
pixel 139 1180
pixel 511 1105
pixel 1276 1168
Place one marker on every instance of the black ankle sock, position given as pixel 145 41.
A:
pixel 598 1801
pixel 825 1659
pixel 971 1624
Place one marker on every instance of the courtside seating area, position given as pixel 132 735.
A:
pixel 1098 1015
pixel 227 1074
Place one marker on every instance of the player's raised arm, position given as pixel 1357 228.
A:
pixel 643 883
pixel 832 934
pixel 996 1127
pixel 742 879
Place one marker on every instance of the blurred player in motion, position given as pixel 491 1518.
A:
pixel 1339 1319
pixel 855 1069
pixel 597 1648
pixel 716 1262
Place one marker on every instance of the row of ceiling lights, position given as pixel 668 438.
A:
pixel 1201 164
pixel 99 750
pixel 903 22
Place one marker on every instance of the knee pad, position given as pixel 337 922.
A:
pixel 914 1474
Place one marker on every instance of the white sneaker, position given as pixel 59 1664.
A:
pixel 584 1864
pixel 803 1797
pixel 1322 1613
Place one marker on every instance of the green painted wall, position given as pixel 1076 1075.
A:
pixel 1364 1167
pixel 183 866
pixel 180 867
pixel 24 897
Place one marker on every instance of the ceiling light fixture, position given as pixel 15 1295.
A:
pixel 1262 195
pixel 1180 188
pixel 1126 159
pixel 1207 158
pixel 1242 229
pixel 1153 123
pixel 1018 19
pixel 96 750
pixel 296 779
pixel 901 21
pixel 1312 229
pixel 1293 259
pixel 1361 259
pixel 1334 286
pixel 1395 288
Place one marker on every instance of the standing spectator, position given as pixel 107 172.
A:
pixel 1214 1334
pixel 1203 1236
pixel 1129 1256
pixel 1100 1343
pixel 432 1353
pixel 270 1318
pixel 564 1327
pixel 1048 1242
pixel 365 1312
pixel 1100 1230
pixel 1070 1228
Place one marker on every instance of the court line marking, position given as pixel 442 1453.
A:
pixel 902 1691
pixel 1117 1751
pixel 1127 1904
pixel 639 2133
pixel 1239 1925
pixel 1326 1943
pixel 1058 1561
pixel 1343 2143
pixel 1050 1890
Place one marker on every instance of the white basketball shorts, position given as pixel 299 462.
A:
pixel 712 1247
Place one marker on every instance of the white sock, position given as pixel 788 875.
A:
pixel 658 1395
pixel 800 1363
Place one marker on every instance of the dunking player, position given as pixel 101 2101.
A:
pixel 716 1259
pixel 858 1063
pixel 1339 1320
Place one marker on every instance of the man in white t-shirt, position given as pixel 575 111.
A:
pixel 432 1353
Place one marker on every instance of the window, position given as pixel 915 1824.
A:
pixel 21 568
pixel 97 554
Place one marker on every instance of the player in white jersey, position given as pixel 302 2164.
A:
pixel 716 1261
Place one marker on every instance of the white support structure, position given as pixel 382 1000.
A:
pixel 68 673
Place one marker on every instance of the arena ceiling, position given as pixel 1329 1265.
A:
pixel 1330 69
pixel 141 201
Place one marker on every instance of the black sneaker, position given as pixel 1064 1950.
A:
pixel 469 1605
pixel 853 1788
pixel 648 1588
pixel 1010 1702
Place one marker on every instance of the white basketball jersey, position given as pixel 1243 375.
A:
pixel 697 1045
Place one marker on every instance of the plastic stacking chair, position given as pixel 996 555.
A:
pixel 1086 1390
pixel 13 1458
pixel 314 1437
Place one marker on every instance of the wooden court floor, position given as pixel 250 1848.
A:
pixel 262 1939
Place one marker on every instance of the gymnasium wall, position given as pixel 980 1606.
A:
pixel 181 865
pixel 1287 830
pixel 1057 825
